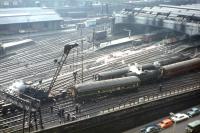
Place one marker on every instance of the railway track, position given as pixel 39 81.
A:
pixel 16 73
pixel 88 109
pixel 40 65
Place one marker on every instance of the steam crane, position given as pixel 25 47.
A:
pixel 67 49
pixel 28 98
pixel 41 94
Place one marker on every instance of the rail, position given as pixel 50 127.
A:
pixel 130 103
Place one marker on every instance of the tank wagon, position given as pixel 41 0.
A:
pixel 133 80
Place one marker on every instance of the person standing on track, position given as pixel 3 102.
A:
pixel 77 108
pixel 160 87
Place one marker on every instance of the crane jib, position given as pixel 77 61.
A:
pixel 67 49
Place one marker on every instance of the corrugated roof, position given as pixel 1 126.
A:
pixel 26 15
pixel 174 11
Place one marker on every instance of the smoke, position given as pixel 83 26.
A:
pixel 135 69
pixel 17 87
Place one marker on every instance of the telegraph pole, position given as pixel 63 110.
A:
pixel 82 60
pixel 29 26
pixel 93 37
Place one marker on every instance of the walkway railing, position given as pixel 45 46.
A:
pixel 151 97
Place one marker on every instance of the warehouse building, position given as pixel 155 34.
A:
pixel 22 20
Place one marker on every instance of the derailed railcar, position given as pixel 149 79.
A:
pixel 180 68
pixel 98 88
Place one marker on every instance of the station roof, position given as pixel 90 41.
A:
pixel 27 15
pixel 175 11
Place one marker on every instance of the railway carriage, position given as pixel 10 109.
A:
pixel 99 88
pixel 148 68
pixel 18 44
pixel 132 81
pixel 6 48
pixel 180 68
pixel 111 74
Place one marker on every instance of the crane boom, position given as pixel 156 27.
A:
pixel 67 49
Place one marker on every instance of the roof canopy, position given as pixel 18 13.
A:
pixel 27 15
